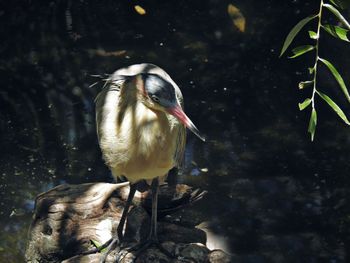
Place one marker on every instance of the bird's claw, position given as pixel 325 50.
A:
pixel 112 243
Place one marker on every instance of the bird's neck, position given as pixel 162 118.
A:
pixel 133 93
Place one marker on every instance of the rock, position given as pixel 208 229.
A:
pixel 137 228
pixel 197 252
pixel 71 219
pixel 219 256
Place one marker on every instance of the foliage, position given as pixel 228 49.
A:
pixel 336 31
pixel 98 245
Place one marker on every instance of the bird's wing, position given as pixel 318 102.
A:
pixel 180 146
pixel 106 99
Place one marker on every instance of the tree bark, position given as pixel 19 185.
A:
pixel 72 219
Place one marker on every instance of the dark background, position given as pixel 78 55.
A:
pixel 273 195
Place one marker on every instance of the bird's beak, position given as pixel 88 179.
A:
pixel 182 117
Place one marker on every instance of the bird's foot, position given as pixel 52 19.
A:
pixel 138 249
pixel 108 249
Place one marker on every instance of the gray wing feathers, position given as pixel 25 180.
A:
pixel 180 147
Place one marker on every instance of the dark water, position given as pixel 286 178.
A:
pixel 273 195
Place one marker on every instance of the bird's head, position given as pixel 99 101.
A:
pixel 159 94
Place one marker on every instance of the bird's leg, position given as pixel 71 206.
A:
pixel 152 237
pixel 126 210
pixel 153 231
pixel 111 243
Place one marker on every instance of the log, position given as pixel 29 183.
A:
pixel 71 219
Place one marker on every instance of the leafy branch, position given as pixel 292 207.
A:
pixel 335 31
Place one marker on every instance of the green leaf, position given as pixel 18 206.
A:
pixel 298 51
pixel 305 84
pixel 334 106
pixel 337 32
pixel 313 35
pixel 304 104
pixel 95 243
pixel 295 30
pixel 343 4
pixel 98 245
pixel 337 76
pixel 337 14
pixel 334 3
pixel 311 70
pixel 312 124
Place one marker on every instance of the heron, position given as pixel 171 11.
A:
pixel 141 128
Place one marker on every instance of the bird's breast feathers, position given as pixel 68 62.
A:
pixel 142 144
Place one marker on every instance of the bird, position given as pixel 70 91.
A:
pixel 141 129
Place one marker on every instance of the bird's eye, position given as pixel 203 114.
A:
pixel 155 98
